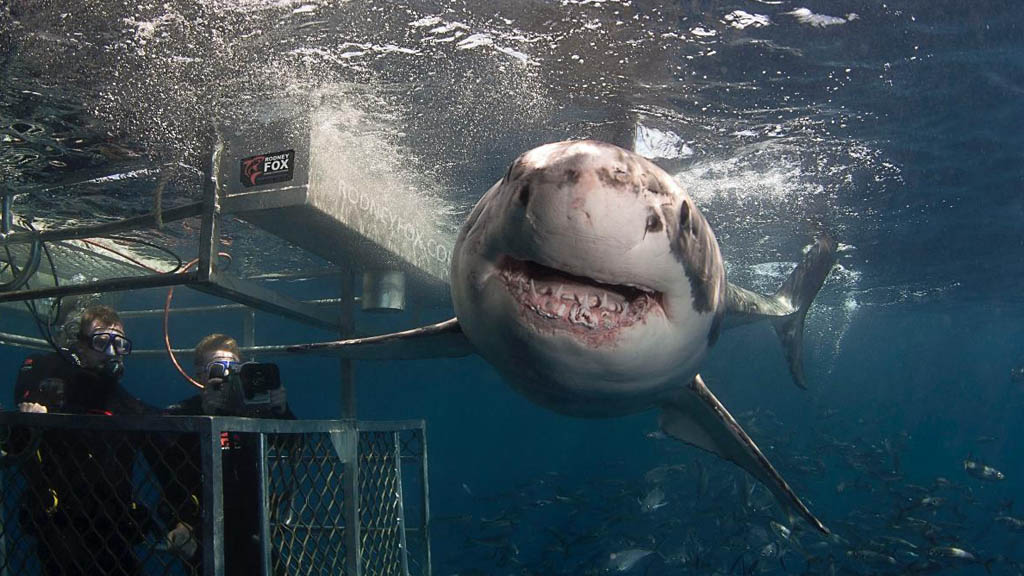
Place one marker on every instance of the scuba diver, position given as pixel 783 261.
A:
pixel 85 377
pixel 78 501
pixel 230 388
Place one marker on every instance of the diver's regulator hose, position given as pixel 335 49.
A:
pixel 21 277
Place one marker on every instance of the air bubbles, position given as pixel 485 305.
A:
pixel 739 20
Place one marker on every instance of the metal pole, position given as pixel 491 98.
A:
pixel 7 219
pixel 306 275
pixel 109 285
pixel 350 491
pixel 273 350
pixel 24 341
pixel 248 329
pixel 4 526
pixel 144 221
pixel 350 470
pixel 253 294
pixel 404 552
pixel 214 308
pixel 211 215
pixel 426 499
pixel 264 507
pixel 277 350
pixel 213 497
pixel 346 324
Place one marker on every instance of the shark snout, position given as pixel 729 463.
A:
pixel 579 206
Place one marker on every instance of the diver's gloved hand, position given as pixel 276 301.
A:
pixel 182 541
pixel 215 398
pixel 32 407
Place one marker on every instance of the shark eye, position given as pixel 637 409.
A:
pixel 653 223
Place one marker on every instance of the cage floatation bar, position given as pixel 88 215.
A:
pixel 341 192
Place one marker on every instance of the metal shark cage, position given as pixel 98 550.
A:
pixel 338 496
pixel 283 178
pixel 309 203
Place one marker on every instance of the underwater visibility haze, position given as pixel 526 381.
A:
pixel 893 127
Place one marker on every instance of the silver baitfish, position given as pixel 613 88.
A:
pixel 780 530
pixel 982 471
pixel 625 560
pixel 871 557
pixel 1014 524
pixel 952 552
pixel 653 500
pixel 960 555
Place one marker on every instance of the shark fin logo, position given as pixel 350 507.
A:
pixel 267 168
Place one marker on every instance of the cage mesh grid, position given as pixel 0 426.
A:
pixel 81 502
pixel 305 481
pixel 94 467
pixel 412 448
pixel 380 506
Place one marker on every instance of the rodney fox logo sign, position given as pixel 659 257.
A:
pixel 268 168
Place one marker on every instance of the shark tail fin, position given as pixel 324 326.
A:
pixel 798 291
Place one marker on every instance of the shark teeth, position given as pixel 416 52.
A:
pixel 581 316
pixel 579 302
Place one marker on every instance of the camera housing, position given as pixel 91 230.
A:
pixel 249 390
pixel 49 392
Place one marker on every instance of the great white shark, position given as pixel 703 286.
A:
pixel 594 285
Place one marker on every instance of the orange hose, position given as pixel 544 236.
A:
pixel 167 314
pixel 167 304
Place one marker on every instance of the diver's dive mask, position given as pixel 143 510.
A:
pixel 101 341
pixel 114 346
pixel 219 370
pixel 217 392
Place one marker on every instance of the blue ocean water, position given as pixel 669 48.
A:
pixel 896 126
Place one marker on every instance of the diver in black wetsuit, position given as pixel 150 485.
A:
pixel 78 501
pixel 216 361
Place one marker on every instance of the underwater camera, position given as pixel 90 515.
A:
pixel 49 392
pixel 258 380
pixel 250 390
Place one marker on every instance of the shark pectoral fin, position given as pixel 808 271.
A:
pixel 444 339
pixel 696 417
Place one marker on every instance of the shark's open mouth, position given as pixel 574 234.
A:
pixel 578 301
